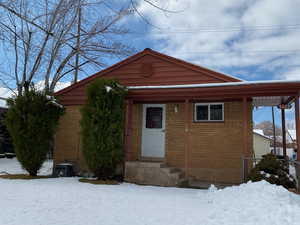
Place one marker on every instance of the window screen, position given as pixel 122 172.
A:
pixel 209 112
pixel 154 117
pixel 202 112
pixel 216 112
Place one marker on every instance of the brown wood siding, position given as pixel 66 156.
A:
pixel 163 73
pixel 147 68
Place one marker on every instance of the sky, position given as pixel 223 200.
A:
pixel 249 39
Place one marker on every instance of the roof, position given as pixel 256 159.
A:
pixel 151 76
pixel 241 83
pixel 220 76
pixel 257 101
pixel 260 133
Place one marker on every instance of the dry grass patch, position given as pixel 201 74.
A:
pixel 93 181
pixel 23 177
pixel 294 191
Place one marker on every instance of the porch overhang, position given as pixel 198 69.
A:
pixel 263 93
pixel 259 93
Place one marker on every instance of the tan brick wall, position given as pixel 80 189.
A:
pixel 216 148
pixel 137 120
pixel 67 139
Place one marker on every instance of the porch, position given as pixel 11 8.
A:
pixel 230 140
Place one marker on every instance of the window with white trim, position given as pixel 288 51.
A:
pixel 209 112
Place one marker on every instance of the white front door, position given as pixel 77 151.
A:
pixel 153 132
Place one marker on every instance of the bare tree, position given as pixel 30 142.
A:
pixel 43 39
pixel 267 127
pixel 51 40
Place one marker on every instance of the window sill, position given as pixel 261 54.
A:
pixel 209 121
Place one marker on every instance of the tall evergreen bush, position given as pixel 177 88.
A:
pixel 31 121
pixel 102 127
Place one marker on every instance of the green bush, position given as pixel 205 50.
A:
pixel 31 121
pixel 102 127
pixel 274 171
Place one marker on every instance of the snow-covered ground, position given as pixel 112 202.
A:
pixel 12 166
pixel 66 201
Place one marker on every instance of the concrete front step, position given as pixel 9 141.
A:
pixel 147 164
pixel 152 173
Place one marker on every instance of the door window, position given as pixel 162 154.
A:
pixel 154 117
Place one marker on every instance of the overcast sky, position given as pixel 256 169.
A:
pixel 250 39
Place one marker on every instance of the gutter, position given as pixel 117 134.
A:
pixel 242 83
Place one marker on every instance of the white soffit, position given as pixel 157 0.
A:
pixel 268 100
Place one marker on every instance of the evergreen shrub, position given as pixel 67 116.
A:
pixel 31 120
pixel 273 170
pixel 102 126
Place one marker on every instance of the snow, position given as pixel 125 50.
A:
pixel 292 134
pixel 12 166
pixel 60 201
pixel 258 131
pixel 4 94
pixel 108 88
pixel 261 133
pixel 7 93
pixel 241 83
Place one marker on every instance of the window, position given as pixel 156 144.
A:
pixel 154 116
pixel 209 112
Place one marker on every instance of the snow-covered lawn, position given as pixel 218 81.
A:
pixel 65 201
pixel 12 166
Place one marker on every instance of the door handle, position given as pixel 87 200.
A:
pixel 163 130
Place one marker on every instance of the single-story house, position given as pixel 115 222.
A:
pixel 183 121
pixel 261 143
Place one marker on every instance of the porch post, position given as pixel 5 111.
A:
pixel 297 121
pixel 128 130
pixel 297 126
pixel 186 137
pixel 283 132
pixel 245 127
pixel 245 138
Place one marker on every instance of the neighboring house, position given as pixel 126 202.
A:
pixel 182 120
pixel 261 143
pixel 6 148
